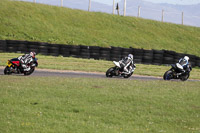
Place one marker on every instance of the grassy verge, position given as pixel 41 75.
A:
pixel 55 104
pixel 38 22
pixel 90 65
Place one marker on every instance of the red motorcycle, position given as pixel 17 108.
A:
pixel 14 66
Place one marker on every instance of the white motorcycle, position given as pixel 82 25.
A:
pixel 118 70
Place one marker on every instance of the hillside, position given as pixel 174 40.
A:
pixel 37 22
pixel 149 10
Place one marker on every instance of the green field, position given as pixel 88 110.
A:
pixel 37 22
pixel 88 105
pixel 94 105
pixel 90 65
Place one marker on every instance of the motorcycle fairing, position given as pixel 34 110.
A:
pixel 117 64
pixel 179 66
pixel 15 61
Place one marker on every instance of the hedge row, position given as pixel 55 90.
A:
pixel 156 57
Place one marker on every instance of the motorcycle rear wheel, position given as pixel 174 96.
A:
pixel 29 72
pixel 185 77
pixel 127 76
pixel 168 75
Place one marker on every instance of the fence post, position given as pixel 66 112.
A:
pixel 113 7
pixel 182 17
pixel 89 5
pixel 61 3
pixel 139 11
pixel 117 8
pixel 124 7
pixel 162 15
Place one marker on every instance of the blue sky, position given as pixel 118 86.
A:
pixel 182 2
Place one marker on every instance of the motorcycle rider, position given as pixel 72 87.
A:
pixel 25 59
pixel 184 62
pixel 127 64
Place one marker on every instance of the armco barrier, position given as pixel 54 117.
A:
pixel 156 57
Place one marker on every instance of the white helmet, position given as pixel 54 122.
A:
pixel 130 56
pixel 32 54
pixel 186 58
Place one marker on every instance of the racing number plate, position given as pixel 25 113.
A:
pixel 9 64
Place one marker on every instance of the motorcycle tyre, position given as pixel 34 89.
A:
pixel 184 78
pixel 127 76
pixel 109 72
pixel 166 74
pixel 29 72
pixel 7 71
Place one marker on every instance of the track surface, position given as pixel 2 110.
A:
pixel 65 73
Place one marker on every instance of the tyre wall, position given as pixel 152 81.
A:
pixel 142 56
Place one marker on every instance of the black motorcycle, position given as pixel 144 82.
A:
pixel 176 72
pixel 118 71
pixel 14 66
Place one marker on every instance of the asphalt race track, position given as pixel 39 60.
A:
pixel 66 73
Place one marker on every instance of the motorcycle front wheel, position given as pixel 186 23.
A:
pixel 109 72
pixel 7 70
pixel 168 75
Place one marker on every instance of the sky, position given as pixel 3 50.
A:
pixel 181 2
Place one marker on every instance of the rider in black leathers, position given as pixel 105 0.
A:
pixel 184 62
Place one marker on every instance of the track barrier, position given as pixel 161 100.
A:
pixel 141 56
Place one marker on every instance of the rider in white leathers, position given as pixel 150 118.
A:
pixel 25 59
pixel 127 64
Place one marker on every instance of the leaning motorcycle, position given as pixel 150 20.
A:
pixel 118 71
pixel 14 66
pixel 176 72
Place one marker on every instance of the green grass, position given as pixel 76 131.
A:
pixel 37 22
pixel 77 105
pixel 90 65
pixel 80 105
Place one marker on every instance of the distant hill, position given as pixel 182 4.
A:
pixel 172 13
pixel 77 4
pixel 40 22
pixel 149 10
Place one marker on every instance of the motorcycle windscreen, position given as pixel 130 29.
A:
pixel 116 63
pixel 183 62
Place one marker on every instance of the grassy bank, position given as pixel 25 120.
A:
pixel 37 22
pixel 90 65
pixel 53 104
